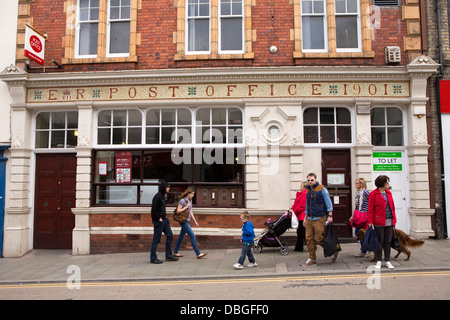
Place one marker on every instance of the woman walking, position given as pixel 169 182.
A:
pixel 361 204
pixel 184 204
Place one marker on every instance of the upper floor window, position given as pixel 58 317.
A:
pixel 56 130
pixel 387 126
pixel 214 29
pixel 327 125
pixel 100 31
pixel 332 29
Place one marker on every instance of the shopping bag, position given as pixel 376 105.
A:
pixel 330 241
pixel 395 242
pixel 294 221
pixel 359 219
pixel 371 242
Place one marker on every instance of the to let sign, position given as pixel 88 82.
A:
pixel 34 45
pixel 387 161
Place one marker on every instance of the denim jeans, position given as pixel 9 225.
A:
pixel 158 229
pixel 246 252
pixel 186 228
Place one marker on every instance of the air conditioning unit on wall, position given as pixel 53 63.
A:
pixel 393 54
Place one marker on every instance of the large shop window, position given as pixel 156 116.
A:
pixel 387 126
pixel 213 162
pixel 327 125
pixel 56 130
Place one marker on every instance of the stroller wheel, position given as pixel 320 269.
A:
pixel 257 248
pixel 284 250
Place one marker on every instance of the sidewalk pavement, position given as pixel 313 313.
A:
pixel 40 266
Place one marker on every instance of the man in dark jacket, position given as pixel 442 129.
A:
pixel 161 224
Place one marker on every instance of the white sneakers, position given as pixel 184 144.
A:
pixel 238 266
pixel 388 265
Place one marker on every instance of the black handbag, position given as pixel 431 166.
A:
pixel 371 242
pixel 330 241
pixel 395 242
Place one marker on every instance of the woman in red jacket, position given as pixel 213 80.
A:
pixel 299 210
pixel 382 217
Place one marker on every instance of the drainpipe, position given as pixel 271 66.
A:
pixel 2 194
pixel 441 222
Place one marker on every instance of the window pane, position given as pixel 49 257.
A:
pixel 134 135
pixel 342 116
pixel 234 116
pixel 395 136
pixel 313 33
pixel 198 35
pixel 158 164
pixel 231 34
pixel 219 135
pixel 88 39
pixel 153 117
pixel 203 116
pixel 104 136
pixel 166 135
pixel 58 120
pixel 344 134
pixel 119 37
pixel 72 120
pixel 57 139
pixel 116 194
pixel 235 135
pixel 219 116
pixel 225 7
pixel 306 7
pixel 42 139
pixel 184 117
pixel 184 135
pixel 327 134
pixel 319 6
pixel 72 139
pixel 134 118
pixel 346 32
pixel 310 116
pixel 104 119
pixel 352 6
pixel 310 134
pixel 394 117
pixel 378 137
pixel 120 118
pixel 377 117
pixel 168 117
pixel 340 6
pixel 43 120
pixel 237 7
pixel 152 136
pixel 119 135
pixel 326 115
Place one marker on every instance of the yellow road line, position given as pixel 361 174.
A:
pixel 224 281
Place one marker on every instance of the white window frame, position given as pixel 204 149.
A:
pixel 358 27
pixel 108 33
pixel 112 127
pixel 188 18
pixel 78 30
pixel 386 126
pixel 221 17
pixel 51 130
pixel 325 27
pixel 327 144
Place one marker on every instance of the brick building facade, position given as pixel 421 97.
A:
pixel 239 98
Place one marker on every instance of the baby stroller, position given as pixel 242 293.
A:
pixel 271 236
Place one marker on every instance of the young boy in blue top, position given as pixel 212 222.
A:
pixel 247 240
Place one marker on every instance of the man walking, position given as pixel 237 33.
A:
pixel 161 224
pixel 319 210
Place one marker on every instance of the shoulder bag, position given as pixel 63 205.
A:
pixel 182 216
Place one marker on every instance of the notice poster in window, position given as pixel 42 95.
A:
pixel 123 167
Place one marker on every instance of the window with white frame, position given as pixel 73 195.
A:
pixel 327 125
pixel 168 126
pixel 119 127
pixel 219 125
pixel 387 126
pixel 347 25
pixel 198 26
pixel 231 25
pixel 119 27
pixel 87 28
pixel 56 130
pixel 314 28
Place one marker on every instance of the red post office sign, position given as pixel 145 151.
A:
pixel 34 45
pixel 123 167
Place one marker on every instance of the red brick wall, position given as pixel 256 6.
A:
pixel 272 22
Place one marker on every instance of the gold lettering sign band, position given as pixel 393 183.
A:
pixel 220 91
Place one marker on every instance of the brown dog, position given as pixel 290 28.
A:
pixel 405 242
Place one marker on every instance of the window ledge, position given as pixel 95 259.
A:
pixel 99 60
pixel 215 56
pixel 328 55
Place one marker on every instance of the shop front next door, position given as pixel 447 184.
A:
pixel 54 199
pixel 337 179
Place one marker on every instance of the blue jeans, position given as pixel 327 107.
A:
pixel 246 252
pixel 186 228
pixel 158 229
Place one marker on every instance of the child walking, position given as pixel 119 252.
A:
pixel 247 240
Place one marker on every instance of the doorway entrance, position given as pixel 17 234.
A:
pixel 337 179
pixel 54 198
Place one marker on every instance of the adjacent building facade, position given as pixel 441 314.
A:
pixel 240 99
